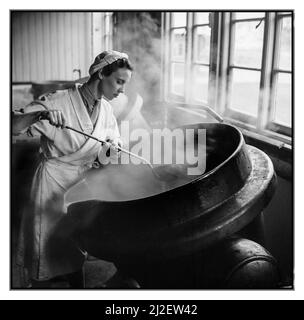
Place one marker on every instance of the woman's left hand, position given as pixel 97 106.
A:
pixel 114 146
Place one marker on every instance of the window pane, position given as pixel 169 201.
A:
pixel 200 83
pixel 245 91
pixel 202 44
pixel 201 18
pixel 249 15
pixel 178 45
pixel 283 100
pixel 177 78
pixel 178 19
pixel 107 24
pixel 248 44
pixel 285 45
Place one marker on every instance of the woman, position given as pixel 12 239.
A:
pixel 65 157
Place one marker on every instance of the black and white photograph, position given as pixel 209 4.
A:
pixel 151 150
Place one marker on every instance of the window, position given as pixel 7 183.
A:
pixel 245 65
pixel 279 116
pixel 187 63
pixel 178 53
pixel 201 57
pixel 239 63
pixel 108 30
pixel 102 32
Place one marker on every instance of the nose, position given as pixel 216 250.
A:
pixel 121 89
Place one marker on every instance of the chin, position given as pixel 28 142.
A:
pixel 107 98
pixel 111 97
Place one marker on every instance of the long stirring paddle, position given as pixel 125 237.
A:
pixel 117 148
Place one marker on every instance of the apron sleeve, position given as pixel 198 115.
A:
pixel 41 127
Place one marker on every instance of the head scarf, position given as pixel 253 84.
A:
pixel 105 58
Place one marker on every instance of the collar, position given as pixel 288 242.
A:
pixel 88 97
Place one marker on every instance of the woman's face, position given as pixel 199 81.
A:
pixel 114 84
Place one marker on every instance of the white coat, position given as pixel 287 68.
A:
pixel 65 156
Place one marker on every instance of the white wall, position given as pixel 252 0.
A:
pixel 50 45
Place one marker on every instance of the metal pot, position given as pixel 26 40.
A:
pixel 238 184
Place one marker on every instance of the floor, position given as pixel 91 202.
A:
pixel 97 272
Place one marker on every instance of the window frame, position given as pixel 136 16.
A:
pixel 262 125
pixel 195 62
pixel 108 34
pixel 272 125
pixel 177 62
pixel 220 68
pixel 101 40
pixel 229 112
pixel 172 95
pixel 188 63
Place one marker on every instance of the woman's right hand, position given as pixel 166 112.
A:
pixel 55 117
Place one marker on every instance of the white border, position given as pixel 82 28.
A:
pixel 6 294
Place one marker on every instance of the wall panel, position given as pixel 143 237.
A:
pixel 50 45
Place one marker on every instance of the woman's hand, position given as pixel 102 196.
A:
pixel 114 146
pixel 22 121
pixel 55 117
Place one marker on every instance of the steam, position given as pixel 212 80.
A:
pixel 130 180
pixel 138 34
pixel 119 183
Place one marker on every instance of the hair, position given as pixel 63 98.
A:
pixel 120 63
pixel 110 68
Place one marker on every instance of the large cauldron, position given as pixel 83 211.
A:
pixel 238 184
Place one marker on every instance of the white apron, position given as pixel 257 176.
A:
pixel 44 250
